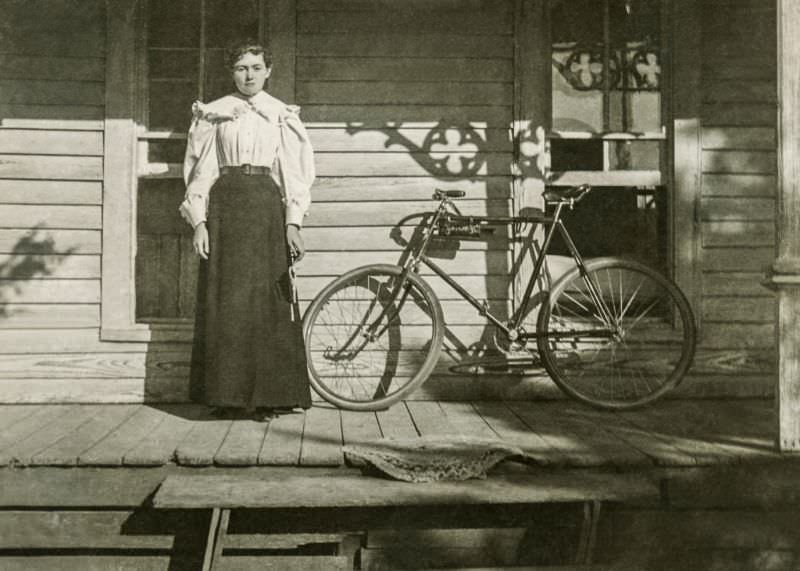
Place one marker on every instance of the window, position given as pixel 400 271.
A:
pixel 608 123
pixel 607 79
pixel 180 60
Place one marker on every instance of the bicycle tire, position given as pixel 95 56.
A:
pixel 356 369
pixel 649 352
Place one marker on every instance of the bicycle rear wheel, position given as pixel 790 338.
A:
pixel 623 347
pixel 371 340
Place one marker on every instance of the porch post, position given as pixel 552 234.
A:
pixel 786 269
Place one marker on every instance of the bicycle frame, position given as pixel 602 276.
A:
pixel 553 223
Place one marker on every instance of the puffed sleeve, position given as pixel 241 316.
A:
pixel 200 168
pixel 295 166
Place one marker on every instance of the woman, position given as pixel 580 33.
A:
pixel 248 170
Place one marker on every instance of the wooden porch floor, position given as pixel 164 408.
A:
pixel 559 434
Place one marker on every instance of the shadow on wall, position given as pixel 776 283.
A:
pixel 34 256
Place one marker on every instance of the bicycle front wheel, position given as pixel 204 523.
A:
pixel 372 337
pixel 619 336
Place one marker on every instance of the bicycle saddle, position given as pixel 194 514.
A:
pixel 569 194
pixel 439 193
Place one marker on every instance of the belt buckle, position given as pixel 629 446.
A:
pixel 247 169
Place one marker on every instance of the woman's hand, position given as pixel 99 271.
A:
pixel 200 240
pixel 295 242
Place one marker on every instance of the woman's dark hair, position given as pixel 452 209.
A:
pixel 236 51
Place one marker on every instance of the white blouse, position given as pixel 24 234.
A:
pixel 236 130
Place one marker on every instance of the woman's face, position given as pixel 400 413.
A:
pixel 249 73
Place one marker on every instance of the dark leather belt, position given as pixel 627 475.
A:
pixel 250 170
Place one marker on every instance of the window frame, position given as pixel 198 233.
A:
pixel 122 156
pixel 623 178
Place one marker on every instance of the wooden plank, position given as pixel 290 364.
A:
pixel 739 309
pixel 285 563
pixel 744 138
pixel 50 167
pixel 489 287
pixel 359 427
pixel 179 492
pixel 86 562
pixel 242 444
pixel 432 68
pixel 22 452
pixel 50 291
pixel 736 259
pixel 44 92
pixel 39 142
pixel 413 164
pixel 46 315
pixel 363 214
pixel 112 449
pixel 448 140
pixel 379 188
pixel 739 335
pixel 396 422
pixel 11 414
pixel 738 114
pixel 659 448
pixel 465 419
pixel 51 67
pixel 119 181
pixel 429 419
pixel 512 430
pixel 737 233
pixel 391 43
pixel 95 365
pixel 755 185
pixel 495 115
pixel 739 91
pixel 694 436
pixel 102 419
pixel 187 278
pixel 159 446
pixel 22 341
pixel 89 117
pixel 282 443
pixel 734 283
pixel 750 162
pixel 738 208
pixel 147 257
pixel 40 416
pixel 474 23
pixel 56 266
pixel 79 390
pixel 167 278
pixel 440 6
pixel 74 242
pixel 202 443
pixel 104 529
pixel 322 438
pixel 465 263
pixel 687 131
pixel 50 191
pixel 47 216
pixel 401 93
pixel 581 441
pixel 281 32
pixel 386 238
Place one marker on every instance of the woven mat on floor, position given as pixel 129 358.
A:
pixel 429 459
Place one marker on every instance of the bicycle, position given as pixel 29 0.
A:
pixel 611 332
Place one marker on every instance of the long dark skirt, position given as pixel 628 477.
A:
pixel 248 349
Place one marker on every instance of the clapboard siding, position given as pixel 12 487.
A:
pixel 24 241
pixel 52 95
pixel 738 181
pixel 38 142
pixel 443 45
